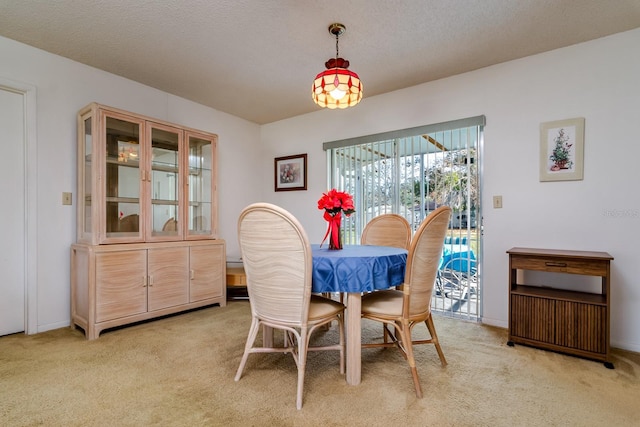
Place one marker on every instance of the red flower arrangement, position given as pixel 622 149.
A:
pixel 334 203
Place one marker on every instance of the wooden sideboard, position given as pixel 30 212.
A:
pixel 115 285
pixel 567 321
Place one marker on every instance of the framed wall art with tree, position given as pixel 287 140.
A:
pixel 562 150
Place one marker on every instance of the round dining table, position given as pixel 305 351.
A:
pixel 353 270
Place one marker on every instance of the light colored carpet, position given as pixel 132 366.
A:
pixel 178 371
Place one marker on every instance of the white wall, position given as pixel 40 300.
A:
pixel 63 87
pixel 597 80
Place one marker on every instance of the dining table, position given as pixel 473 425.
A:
pixel 354 270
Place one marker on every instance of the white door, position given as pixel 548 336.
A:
pixel 12 213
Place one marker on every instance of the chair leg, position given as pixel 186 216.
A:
pixel 303 345
pixel 253 333
pixel 405 334
pixel 289 341
pixel 342 342
pixel 392 335
pixel 434 337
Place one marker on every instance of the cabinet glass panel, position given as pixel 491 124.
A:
pixel 165 183
pixel 143 180
pixel 88 173
pixel 122 178
pixel 200 190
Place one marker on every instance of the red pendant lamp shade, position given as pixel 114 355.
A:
pixel 337 86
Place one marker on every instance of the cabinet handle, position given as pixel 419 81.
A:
pixel 555 264
pixel 191 274
pixel 150 280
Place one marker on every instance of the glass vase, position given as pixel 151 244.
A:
pixel 335 236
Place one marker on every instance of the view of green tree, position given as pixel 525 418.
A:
pixel 383 179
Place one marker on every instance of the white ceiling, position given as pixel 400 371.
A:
pixel 256 59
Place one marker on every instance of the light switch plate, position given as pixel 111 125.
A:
pixel 66 198
pixel 497 202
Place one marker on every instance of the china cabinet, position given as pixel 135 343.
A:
pixel 146 220
pixel 143 180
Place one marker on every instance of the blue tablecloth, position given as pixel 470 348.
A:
pixel 357 268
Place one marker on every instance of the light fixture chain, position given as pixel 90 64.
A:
pixel 337 53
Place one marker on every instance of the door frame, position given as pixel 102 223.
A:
pixel 30 168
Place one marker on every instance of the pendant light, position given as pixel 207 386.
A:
pixel 337 86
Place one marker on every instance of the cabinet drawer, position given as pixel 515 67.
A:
pixel 558 265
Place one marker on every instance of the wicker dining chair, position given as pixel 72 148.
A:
pixel 404 309
pixel 129 223
pixel 387 230
pixel 170 225
pixel 278 264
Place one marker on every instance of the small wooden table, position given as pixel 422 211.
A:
pixel 236 283
pixel 236 276
pixel 566 321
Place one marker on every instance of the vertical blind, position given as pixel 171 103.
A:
pixel 411 172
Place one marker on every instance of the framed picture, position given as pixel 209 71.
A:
pixel 290 173
pixel 562 150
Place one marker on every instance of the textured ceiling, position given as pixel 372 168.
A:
pixel 256 59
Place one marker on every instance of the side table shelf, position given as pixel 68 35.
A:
pixel 555 319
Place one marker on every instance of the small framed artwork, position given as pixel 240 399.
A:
pixel 562 150
pixel 290 173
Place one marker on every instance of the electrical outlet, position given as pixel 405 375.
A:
pixel 66 198
pixel 497 202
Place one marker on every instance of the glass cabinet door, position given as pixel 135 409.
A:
pixel 165 184
pixel 143 180
pixel 122 183
pixel 201 191
pixel 85 201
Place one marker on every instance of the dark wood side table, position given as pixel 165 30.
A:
pixel 571 322
pixel 236 281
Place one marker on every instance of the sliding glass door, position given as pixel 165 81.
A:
pixel 411 172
